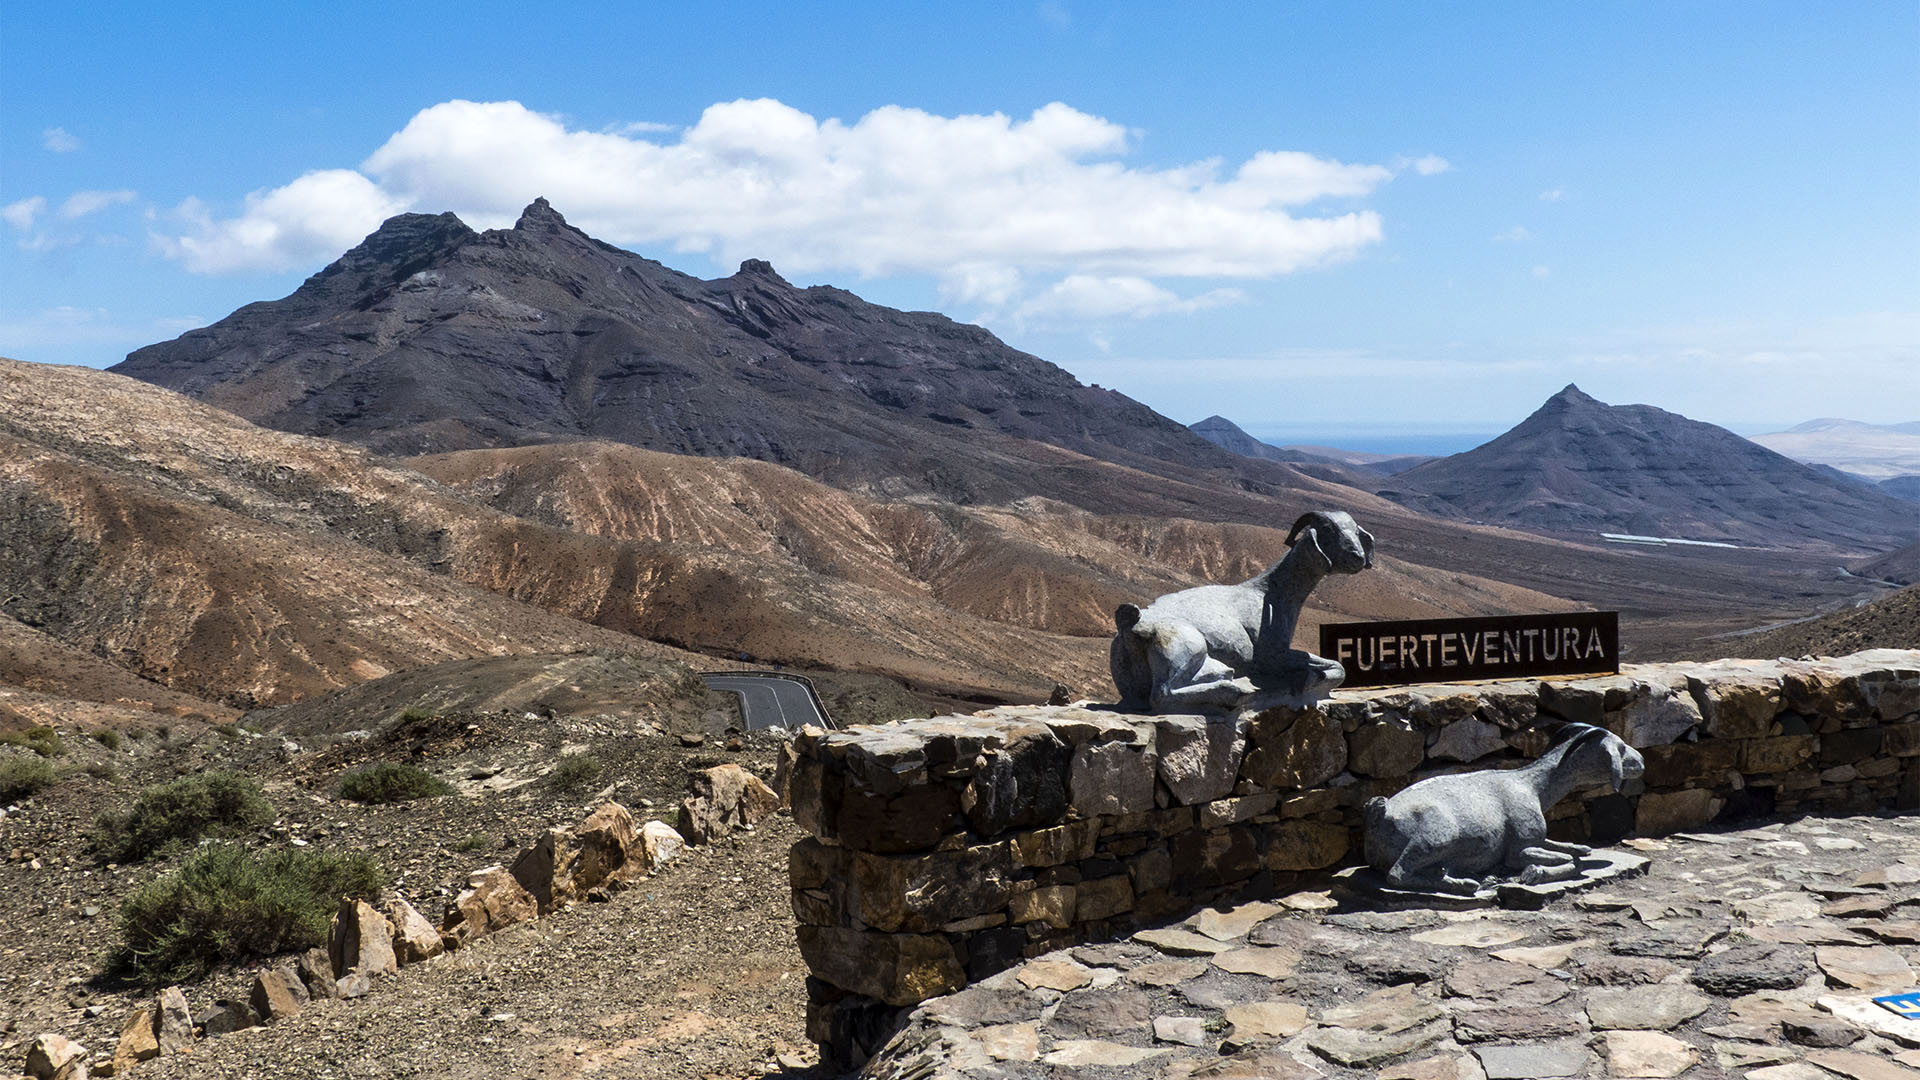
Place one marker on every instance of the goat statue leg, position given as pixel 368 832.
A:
pixel 1540 864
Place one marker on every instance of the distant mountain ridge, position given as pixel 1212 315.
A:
pixel 1873 452
pixel 429 337
pixel 1580 466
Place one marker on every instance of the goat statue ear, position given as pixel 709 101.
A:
pixel 1311 537
pixel 1618 760
pixel 1366 545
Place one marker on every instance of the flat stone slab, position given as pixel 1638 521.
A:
pixel 1479 934
pixel 1534 1061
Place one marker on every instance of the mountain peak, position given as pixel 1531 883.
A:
pixel 540 216
pixel 760 268
pixel 1571 394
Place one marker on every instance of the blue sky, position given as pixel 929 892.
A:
pixel 1312 218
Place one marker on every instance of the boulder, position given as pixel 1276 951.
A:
pixel 1467 740
pixel 56 1057
pixel 138 1040
pixel 173 1021
pixel 545 870
pixel 278 993
pixel 361 940
pixel 227 1017
pixel 491 902
pixel 414 938
pixel 316 971
pixel 607 847
pixel 660 844
pixel 722 799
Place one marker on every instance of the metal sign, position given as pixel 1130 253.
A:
pixel 1461 650
pixel 1907 1005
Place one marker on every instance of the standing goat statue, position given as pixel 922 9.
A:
pixel 1215 645
pixel 1451 834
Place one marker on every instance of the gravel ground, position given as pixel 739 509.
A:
pixel 691 973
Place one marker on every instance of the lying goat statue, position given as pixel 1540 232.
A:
pixel 1215 645
pixel 1450 834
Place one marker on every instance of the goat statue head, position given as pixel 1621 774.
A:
pixel 1334 540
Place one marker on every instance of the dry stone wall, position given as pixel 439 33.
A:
pixel 945 850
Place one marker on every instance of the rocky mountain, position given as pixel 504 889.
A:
pixel 1579 467
pixel 1891 621
pixel 429 337
pixel 1901 567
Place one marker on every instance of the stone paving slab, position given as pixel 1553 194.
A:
pixel 1731 957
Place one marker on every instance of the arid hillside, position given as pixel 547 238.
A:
pixel 1890 622
pixel 1035 563
pixel 257 567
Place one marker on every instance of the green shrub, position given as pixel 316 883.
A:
pixel 228 731
pixel 180 812
pixel 22 776
pixel 471 842
pixel 574 773
pixel 41 740
pixel 101 770
pixel 414 715
pixel 391 782
pixel 228 904
pixel 108 738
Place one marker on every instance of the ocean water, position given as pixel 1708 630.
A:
pixel 1371 440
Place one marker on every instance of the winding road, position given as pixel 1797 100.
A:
pixel 770 700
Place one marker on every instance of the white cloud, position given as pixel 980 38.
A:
pixel 1553 194
pixel 1055 14
pixel 985 204
pixel 1542 271
pixel 59 140
pixel 316 217
pixel 82 203
pixel 1518 234
pixel 1431 165
pixel 21 214
pixel 1088 297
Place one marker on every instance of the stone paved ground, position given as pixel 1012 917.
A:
pixel 1748 953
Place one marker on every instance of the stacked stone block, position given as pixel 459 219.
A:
pixel 945 850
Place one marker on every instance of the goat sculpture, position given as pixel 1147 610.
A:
pixel 1450 833
pixel 1214 645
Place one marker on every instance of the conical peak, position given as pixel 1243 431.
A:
pixel 539 216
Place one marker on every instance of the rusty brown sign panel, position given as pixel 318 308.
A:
pixel 1458 650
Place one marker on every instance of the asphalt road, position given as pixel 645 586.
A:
pixel 767 702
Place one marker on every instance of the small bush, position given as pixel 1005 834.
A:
pixel 41 740
pixel 108 738
pixel 228 904
pixel 101 770
pixel 228 731
pixel 22 776
pixel 471 842
pixel 178 813
pixel 391 782
pixel 414 715
pixel 574 773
